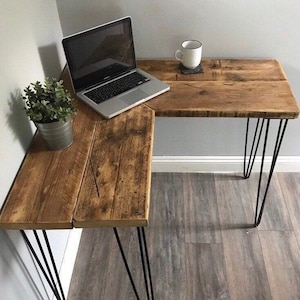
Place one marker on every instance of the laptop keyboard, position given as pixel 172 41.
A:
pixel 116 87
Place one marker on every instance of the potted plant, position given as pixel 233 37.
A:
pixel 50 107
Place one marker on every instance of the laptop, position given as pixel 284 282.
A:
pixel 103 69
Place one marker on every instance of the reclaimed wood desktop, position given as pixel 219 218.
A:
pixel 103 179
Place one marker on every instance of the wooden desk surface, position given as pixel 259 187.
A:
pixel 227 88
pixel 103 179
pixel 116 188
pixel 45 189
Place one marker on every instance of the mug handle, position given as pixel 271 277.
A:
pixel 178 52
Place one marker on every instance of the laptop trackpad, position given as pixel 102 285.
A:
pixel 134 96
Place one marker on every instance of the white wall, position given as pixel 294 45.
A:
pixel 234 29
pixel 30 49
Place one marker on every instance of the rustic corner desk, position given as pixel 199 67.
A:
pixel 104 178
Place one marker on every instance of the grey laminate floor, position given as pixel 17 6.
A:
pixel 199 243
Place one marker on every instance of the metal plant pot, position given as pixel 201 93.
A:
pixel 57 135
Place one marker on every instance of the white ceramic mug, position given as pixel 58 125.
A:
pixel 190 54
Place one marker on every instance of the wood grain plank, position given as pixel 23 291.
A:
pixel 246 274
pixel 90 271
pixel 167 204
pixel 244 263
pixel 270 99
pixel 282 258
pixel 227 88
pixel 119 287
pixel 115 191
pixel 166 240
pixel 290 186
pixel 276 215
pixel 206 276
pixel 116 185
pixel 234 201
pixel 45 190
pixel 212 69
pixel 252 70
pixel 217 70
pixel 200 208
pixel 247 264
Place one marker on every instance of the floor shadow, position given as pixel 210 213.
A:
pixel 229 176
pixel 237 226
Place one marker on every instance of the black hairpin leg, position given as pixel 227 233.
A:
pixel 145 262
pixel 58 292
pixel 254 147
pixel 260 201
pixel 125 263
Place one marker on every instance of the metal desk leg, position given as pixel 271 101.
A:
pixel 260 203
pixel 254 147
pixel 144 259
pixel 58 292
pixel 125 263
pixel 145 262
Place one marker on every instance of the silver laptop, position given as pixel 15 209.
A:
pixel 103 69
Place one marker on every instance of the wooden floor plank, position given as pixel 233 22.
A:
pixel 282 258
pixel 206 277
pixel 244 263
pixel 275 215
pixel 89 277
pixel 119 287
pixel 201 210
pixel 167 198
pixel 290 186
pixel 234 201
pixel 166 236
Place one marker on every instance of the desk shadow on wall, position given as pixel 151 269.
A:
pixel 50 60
pixel 12 263
pixel 18 121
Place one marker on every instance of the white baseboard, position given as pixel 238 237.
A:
pixel 68 262
pixel 220 164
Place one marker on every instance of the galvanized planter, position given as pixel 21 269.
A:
pixel 57 135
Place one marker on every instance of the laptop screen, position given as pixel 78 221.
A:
pixel 100 54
